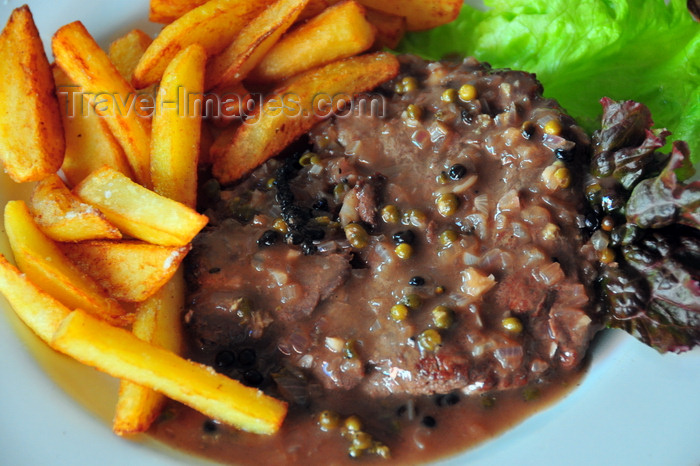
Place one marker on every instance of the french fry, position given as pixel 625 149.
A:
pixel 31 131
pixel 89 141
pixel 339 32
pixel 44 263
pixel 41 312
pixel 314 7
pixel 176 131
pixel 138 211
pixel 158 321
pixel 231 104
pixel 213 25
pixel 62 217
pixel 126 51
pixel 279 122
pixel 233 64
pixel 390 28
pixel 167 11
pixel 419 14
pixel 129 271
pixel 121 354
pixel 85 63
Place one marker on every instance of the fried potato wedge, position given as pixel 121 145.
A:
pixel 390 28
pixel 31 130
pixel 121 354
pixel 339 32
pixel 294 109
pixel 63 217
pixel 129 271
pixel 248 48
pixel 419 14
pixel 138 211
pixel 126 51
pixel 41 312
pixel 158 321
pixel 44 263
pixel 89 141
pixel 213 25
pixel 314 7
pixel 167 11
pixel 113 98
pixel 176 131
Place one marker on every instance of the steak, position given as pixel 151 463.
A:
pixel 427 244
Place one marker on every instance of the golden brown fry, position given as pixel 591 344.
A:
pixel 62 217
pixel 89 141
pixel 176 130
pixel 314 7
pixel 340 31
pixel 233 64
pixel 167 11
pixel 295 108
pixel 419 14
pixel 41 312
pixel 138 211
pixel 121 354
pixel 31 131
pixel 126 51
pixel 212 25
pixel 44 263
pixel 85 63
pixel 390 28
pixel 129 271
pixel 158 321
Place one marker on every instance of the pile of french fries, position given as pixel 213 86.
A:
pixel 99 245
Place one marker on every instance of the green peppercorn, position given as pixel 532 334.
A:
pixel 448 237
pixel 305 159
pixel 447 204
pixel 414 112
pixel 414 217
pixel 381 450
pixel 450 95
pixel 328 420
pixel 409 84
pixel 404 251
pixel 442 178
pixel 442 317
pixel 430 339
pixel 356 235
pixel 390 214
pixel 467 92
pixel 361 440
pixel 412 300
pixel 512 325
pixel 352 424
pixel 399 312
pixel 399 88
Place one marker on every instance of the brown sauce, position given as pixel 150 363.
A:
pixel 460 426
pixel 497 315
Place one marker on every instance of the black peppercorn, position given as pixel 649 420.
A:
pixel 268 238
pixel 457 171
pixel 416 281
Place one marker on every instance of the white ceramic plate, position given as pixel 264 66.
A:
pixel 634 406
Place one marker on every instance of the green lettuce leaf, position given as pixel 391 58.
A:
pixel 642 50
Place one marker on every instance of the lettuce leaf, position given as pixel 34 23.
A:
pixel 642 50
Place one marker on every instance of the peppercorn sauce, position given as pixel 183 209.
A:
pixel 418 264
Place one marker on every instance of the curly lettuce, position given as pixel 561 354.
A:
pixel 647 51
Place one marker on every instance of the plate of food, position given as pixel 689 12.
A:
pixel 334 254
